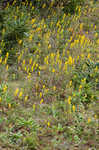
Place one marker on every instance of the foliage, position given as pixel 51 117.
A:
pixel 14 29
pixel 5 98
pixel 69 6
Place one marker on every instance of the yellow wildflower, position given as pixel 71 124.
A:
pixel 15 17
pixel 44 5
pixel 97 41
pixel 16 92
pixel 40 94
pixel 96 69
pixel 32 7
pixel 20 42
pixel 41 101
pixel 38 29
pixel 54 88
pixel 7 54
pixel 33 20
pixel 30 4
pixel 70 83
pixel 39 73
pixel 89 56
pixel 70 60
pixel 74 94
pixel 9 105
pixel 30 37
pixel 83 80
pixel 95 27
pixel 96 80
pixel 69 100
pixel 43 86
pixel 96 34
pixel 89 120
pixel 81 26
pixel 25 68
pixel 49 46
pixel 23 62
pixel 30 61
pixel 26 98
pixel 73 108
pixel 5 61
pixel 53 70
pixel 36 65
pixel 7 67
pixel 80 87
pixel 0 99
pixel 77 58
pixel 82 55
pixel 4 88
pixel 48 123
pixel 20 94
pixel 0 51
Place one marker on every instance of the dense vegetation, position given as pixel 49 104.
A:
pixel 49 75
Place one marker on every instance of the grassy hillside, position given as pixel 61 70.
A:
pixel 49 77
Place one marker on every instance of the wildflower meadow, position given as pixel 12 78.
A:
pixel 49 75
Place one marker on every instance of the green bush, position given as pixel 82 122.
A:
pixel 13 30
pixel 2 14
pixel 69 6
pixel 85 70
pixel 84 81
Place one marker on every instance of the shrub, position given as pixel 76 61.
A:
pixel 84 81
pixel 14 28
pixel 2 14
pixel 69 6
pixel 85 70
